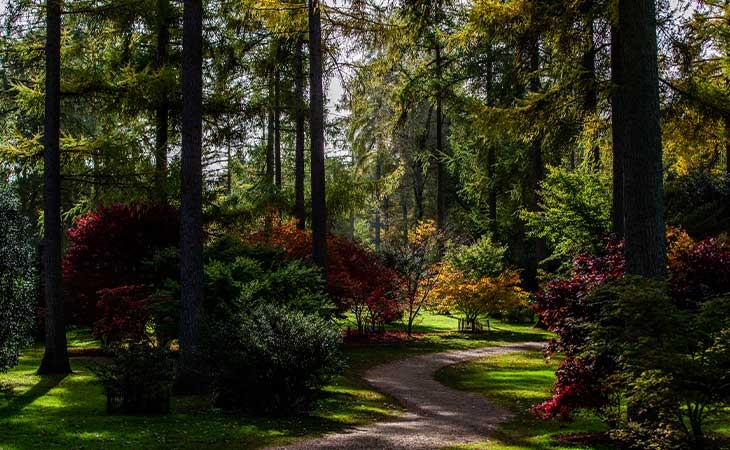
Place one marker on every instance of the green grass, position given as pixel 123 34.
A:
pixel 69 412
pixel 518 381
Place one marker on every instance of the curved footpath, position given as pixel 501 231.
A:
pixel 436 416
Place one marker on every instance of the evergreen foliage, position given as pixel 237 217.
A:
pixel 18 279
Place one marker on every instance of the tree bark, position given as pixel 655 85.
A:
pixel 163 105
pixel 191 203
pixel 539 250
pixel 277 116
pixel 491 160
pixel 644 243
pixel 55 356
pixel 588 75
pixel 316 125
pixel 441 175
pixel 299 118
pixel 618 140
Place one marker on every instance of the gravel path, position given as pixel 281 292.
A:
pixel 436 416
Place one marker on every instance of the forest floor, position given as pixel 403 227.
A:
pixel 436 415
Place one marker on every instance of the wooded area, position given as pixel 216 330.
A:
pixel 185 165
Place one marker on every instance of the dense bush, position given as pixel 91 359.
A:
pixel 271 360
pixel 626 337
pixel 699 202
pixel 112 247
pixel 138 380
pixel 240 276
pixel 484 257
pixel 354 273
pixel 124 315
pixel 18 280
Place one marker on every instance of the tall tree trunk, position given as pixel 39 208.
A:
pixel 588 75
pixel 163 104
pixel 277 116
pixel 377 223
pixel 618 140
pixel 270 169
pixel 299 118
pixel 492 196
pixel 539 251
pixel 418 181
pixel 441 175
pixel 316 125
pixel 644 243
pixel 404 209
pixel 191 197
pixel 55 356
pixel 491 159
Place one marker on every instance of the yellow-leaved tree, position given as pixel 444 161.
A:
pixel 477 296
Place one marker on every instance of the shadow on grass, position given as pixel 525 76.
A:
pixel 18 402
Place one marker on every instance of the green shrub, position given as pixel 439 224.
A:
pixel 485 257
pixel 271 360
pixel 670 364
pixel 240 277
pixel 18 280
pixel 138 380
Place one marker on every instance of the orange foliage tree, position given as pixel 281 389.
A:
pixel 416 259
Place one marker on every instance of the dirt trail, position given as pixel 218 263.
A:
pixel 436 416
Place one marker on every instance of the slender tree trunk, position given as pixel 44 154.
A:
pixel 441 175
pixel 418 181
pixel 55 356
pixel 539 251
pixel 316 119
pixel 492 198
pixel 270 169
pixel 277 117
pixel 644 243
pixel 618 140
pixel 590 93
pixel 191 197
pixel 404 209
pixel 299 118
pixel 377 222
pixel 491 160
pixel 163 105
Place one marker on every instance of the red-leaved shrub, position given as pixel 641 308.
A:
pixel 355 275
pixel 109 249
pixel 698 272
pixel 124 313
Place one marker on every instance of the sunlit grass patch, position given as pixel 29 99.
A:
pixel 518 381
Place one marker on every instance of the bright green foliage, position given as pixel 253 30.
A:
pixel 18 279
pixel 574 213
pixel 484 257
